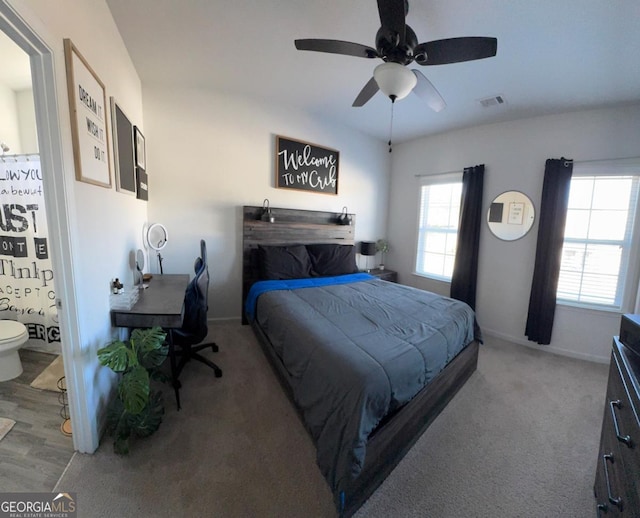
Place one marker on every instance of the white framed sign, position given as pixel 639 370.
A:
pixel 87 107
pixel 516 213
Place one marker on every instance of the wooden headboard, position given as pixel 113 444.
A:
pixel 290 227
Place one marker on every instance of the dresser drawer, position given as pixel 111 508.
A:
pixel 617 483
pixel 621 408
pixel 624 405
pixel 611 489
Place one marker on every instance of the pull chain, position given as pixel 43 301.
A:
pixel 391 124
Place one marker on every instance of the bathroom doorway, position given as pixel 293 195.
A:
pixel 27 281
pixel 25 29
pixel 37 441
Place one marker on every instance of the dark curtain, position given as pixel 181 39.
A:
pixel 465 271
pixel 553 216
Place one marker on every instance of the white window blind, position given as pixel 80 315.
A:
pixel 438 226
pixel 598 239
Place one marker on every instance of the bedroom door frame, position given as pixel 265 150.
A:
pixel 59 206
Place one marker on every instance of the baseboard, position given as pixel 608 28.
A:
pixel 546 348
pixel 220 320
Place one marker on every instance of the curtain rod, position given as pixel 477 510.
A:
pixel 460 171
pixel 604 160
pixel 574 161
pixel 15 157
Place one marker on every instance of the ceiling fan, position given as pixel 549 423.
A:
pixel 397 45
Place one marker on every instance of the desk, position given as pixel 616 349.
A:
pixel 161 304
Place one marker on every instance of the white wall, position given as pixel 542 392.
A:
pixel 9 127
pixel 209 154
pixel 105 225
pixel 514 154
pixel 27 121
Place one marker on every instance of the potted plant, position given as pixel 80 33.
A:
pixel 382 246
pixel 137 409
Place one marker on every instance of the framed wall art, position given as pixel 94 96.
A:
pixel 141 159
pixel 142 184
pixel 123 150
pixel 305 166
pixel 516 213
pixel 87 107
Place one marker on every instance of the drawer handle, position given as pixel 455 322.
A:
pixel 622 438
pixel 615 501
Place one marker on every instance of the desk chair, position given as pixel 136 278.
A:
pixel 186 340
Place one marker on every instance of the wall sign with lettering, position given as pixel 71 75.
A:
pixel 87 102
pixel 307 167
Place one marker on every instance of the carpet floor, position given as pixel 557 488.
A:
pixel 519 439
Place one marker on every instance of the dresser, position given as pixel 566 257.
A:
pixel 617 485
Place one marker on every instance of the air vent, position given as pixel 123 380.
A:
pixel 496 100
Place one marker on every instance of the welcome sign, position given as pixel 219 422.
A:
pixel 305 166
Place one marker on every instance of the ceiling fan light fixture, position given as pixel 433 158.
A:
pixel 396 81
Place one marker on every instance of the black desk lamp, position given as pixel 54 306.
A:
pixel 368 248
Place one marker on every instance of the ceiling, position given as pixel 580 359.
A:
pixel 552 56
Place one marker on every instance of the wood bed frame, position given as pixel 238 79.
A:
pixel 389 443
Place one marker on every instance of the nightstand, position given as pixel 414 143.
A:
pixel 385 275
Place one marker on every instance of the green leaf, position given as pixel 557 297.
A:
pixel 154 358
pixel 158 375
pixel 148 339
pixel 118 426
pixel 148 421
pixel 134 389
pixel 115 414
pixel 150 346
pixel 115 356
pixel 121 445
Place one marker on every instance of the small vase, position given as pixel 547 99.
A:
pixel 381 267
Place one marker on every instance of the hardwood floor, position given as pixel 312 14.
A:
pixel 34 453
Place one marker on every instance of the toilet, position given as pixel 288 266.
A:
pixel 12 335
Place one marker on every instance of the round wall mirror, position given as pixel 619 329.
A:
pixel 157 236
pixel 510 215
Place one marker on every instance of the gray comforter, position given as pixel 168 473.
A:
pixel 355 352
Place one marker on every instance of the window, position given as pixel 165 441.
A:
pixel 438 227
pixel 597 250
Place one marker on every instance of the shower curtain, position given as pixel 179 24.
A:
pixel 27 292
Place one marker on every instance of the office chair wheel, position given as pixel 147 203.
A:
pixel 214 348
pixel 218 373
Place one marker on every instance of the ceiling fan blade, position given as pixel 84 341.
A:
pixel 366 93
pixel 455 50
pixel 337 47
pixel 425 90
pixel 393 15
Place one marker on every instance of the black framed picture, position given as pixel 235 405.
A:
pixel 123 151
pixel 141 160
pixel 142 185
pixel 306 167
pixel 495 212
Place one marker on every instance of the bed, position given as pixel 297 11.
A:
pixel 365 369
